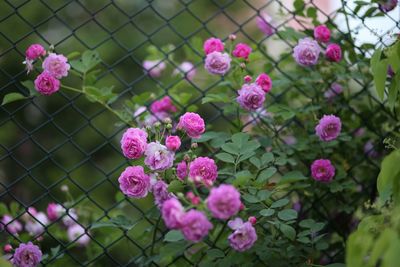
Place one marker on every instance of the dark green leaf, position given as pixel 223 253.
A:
pixel 231 148
pixel 250 198
pixel 11 97
pixel 118 222
pixel 287 215
pixel 288 231
pixel 215 253
pixel 292 177
pixel 242 178
pixel 266 174
pixel 280 203
pixel 267 212
pixel 225 157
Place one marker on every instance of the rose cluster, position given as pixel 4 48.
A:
pixel 251 96
pixel 306 52
pixel 55 67
pixel 222 203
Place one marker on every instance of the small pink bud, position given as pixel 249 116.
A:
pixel 195 200
pixel 247 78
pixel 7 248
pixel 252 220
pixel 232 37
pixel 190 195
pixel 242 207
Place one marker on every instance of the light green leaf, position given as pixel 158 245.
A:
pixel 390 172
pixel 173 236
pixel 287 215
pixel 292 177
pixel 242 178
pixel 250 198
pixel 231 148
pixel 267 212
pixel 266 174
pixel 225 157
pixel 280 203
pixel 12 97
pixel 175 186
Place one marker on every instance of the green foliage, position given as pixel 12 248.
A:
pixel 88 61
pixel 119 221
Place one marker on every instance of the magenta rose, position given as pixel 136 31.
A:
pixel 244 235
pixel 306 52
pixel 264 81
pixel 160 192
pixel 322 170
pixel 251 97
pixel 163 105
pixel 322 33
pixel 35 51
pixel 54 211
pixel 192 124
pixel 154 67
pixel 13 226
pixel 224 201
pixel 241 51
pixel 46 84
pixel 133 182
pixel 213 45
pixel 134 143
pixel 27 255
pixel 173 142
pixel 333 53
pixel 264 23
pixel 195 225
pixel 181 170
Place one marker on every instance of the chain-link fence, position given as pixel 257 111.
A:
pixel 60 149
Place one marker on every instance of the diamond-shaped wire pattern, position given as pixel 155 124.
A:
pixel 46 143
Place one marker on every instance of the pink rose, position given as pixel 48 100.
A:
pixel 264 81
pixel 133 143
pixel 203 169
pixel 54 211
pixel 192 124
pixel 56 65
pixel 251 97
pixel 13 226
pixel 77 233
pixel 154 67
pixel 195 225
pixel 217 63
pixel 172 213
pixel 322 34
pixel 46 84
pixel 186 68
pixel 241 51
pixel 322 170
pixel 35 51
pixel 213 45
pixel 158 157
pixel 223 201
pixel 133 182
pixel 181 170
pixel 333 53
pixel 163 105
pixel 173 142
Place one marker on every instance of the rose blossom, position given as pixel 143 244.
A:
pixel 154 67
pixel 247 78
pixel 223 201
pixel 54 211
pixel 181 170
pixel 35 51
pixel 27 255
pixel 251 97
pixel 56 65
pixel 217 63
pixel 46 84
pixel 195 225
pixel 173 142
pixel 333 91
pixel 163 105
pixel 77 234
pixel 333 53
pixel 156 117
pixel 244 235
pixel 133 182
pixel 13 226
pixel 158 157
pixel 37 225
pixel 264 81
pixel 241 51
pixel 187 68
pixel 328 128
pixel 264 23
pixel 387 5
pixel 203 169
pixel 31 211
pixel 172 213
pixel 192 124
pixel 133 143
pixel 306 52
pixel 160 192
pixel 322 170
pixel 213 45
pixel 322 33
pixel 70 217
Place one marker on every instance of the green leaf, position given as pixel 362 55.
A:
pixel 266 174
pixel 3 209
pixel 308 223
pixel 173 236
pixel 282 111
pixel 175 186
pixel 240 139
pixel 14 208
pixel 212 98
pixel 88 61
pixel 390 172
pixel 250 198
pixel 225 157
pixel 280 203
pixel 256 162
pixel 287 215
pixel 231 148
pixel 118 222
pixel 73 55
pixel 31 87
pixel 379 71
pixel 242 178
pixel 215 253
pixel 292 177
pixel 267 158
pixel 12 97
pixel 288 231
pixel 267 212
